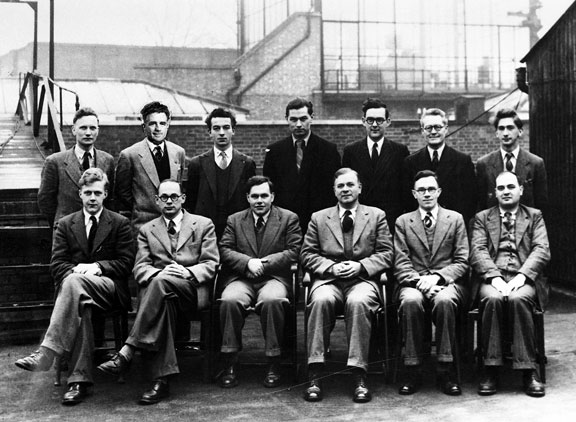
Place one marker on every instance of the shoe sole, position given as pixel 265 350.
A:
pixel 108 372
pixel 27 367
pixel 487 392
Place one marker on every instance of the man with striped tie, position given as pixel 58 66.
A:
pixel 430 267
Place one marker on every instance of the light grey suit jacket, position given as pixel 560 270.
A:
pixel 281 241
pixel 58 193
pixel 448 256
pixel 324 244
pixel 531 242
pixel 197 249
pixel 137 180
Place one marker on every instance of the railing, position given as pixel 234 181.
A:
pixel 55 119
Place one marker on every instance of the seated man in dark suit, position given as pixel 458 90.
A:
pixel 257 249
pixel 91 260
pixel 509 253
pixel 177 252
pixel 430 265
pixel 346 247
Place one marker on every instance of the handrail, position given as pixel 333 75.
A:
pixel 55 138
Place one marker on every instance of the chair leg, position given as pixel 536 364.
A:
pixel 58 371
pixel 305 366
pixel 540 343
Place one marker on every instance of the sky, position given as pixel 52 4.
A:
pixel 188 23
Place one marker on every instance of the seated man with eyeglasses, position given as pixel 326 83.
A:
pixel 177 252
pixel 454 169
pixel 430 267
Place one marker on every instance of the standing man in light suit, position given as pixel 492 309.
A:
pixel 430 266
pixel 217 178
pixel 510 250
pixel 59 184
pixel 142 166
pixel 177 253
pixel 258 248
pixel 346 248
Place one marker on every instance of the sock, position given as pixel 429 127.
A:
pixel 127 351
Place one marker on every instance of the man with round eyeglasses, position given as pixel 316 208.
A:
pixel 454 169
pixel 378 161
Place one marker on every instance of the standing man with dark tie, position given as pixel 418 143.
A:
pixel 379 162
pixel 92 257
pixel 302 165
pixel 58 192
pixel 454 169
pixel 217 178
pixel 142 166
pixel 510 157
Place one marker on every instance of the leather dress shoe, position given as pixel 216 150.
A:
pixel 488 385
pixel 160 390
pixel 273 376
pixel 314 391
pixel 361 392
pixel 412 383
pixel 37 361
pixel 448 385
pixel 116 366
pixel 229 378
pixel 75 394
pixel 532 384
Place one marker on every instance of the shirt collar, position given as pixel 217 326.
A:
pixel 513 213
pixel 177 220
pixel 264 217
pixel 87 216
pixel 370 142
pixel 341 212
pixel 305 140
pixel 514 152
pixel 153 146
pixel 440 151
pixel 79 152
pixel 227 151
pixel 433 211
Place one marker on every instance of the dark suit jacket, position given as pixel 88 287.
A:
pixel 531 242
pixel 531 174
pixel 309 190
pixel 281 241
pixel 324 244
pixel 456 176
pixel 448 256
pixel 58 193
pixel 381 187
pixel 112 250
pixel 137 180
pixel 201 190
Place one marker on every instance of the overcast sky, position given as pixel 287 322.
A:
pixel 189 23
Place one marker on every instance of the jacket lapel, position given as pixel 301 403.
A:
pixel 148 163
pixel 418 228
pixel 187 230
pixel 362 217
pixel 271 232
pixel 333 224
pixel 104 227
pixel 173 159
pixel 384 160
pixel 79 230
pixel 160 232
pixel 209 167
pixel 442 225
pixel 247 227
pixel 72 167
pixel 522 222
pixel 236 167
pixel 493 226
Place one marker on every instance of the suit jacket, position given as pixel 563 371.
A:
pixel 531 174
pixel 281 241
pixel 456 177
pixel 381 187
pixel 201 190
pixel 137 180
pixel 531 242
pixel 112 250
pixel 324 244
pixel 196 250
pixel 309 190
pixel 58 193
pixel 448 256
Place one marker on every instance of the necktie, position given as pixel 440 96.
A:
pixel 347 222
pixel 374 154
pixel 259 224
pixel 509 165
pixel 223 163
pixel 299 153
pixel 435 160
pixel 171 227
pixel 428 220
pixel 92 233
pixel 86 161
pixel 508 223
pixel 158 153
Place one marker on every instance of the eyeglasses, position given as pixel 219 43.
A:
pixel 501 188
pixel 173 197
pixel 437 128
pixel 422 191
pixel 379 120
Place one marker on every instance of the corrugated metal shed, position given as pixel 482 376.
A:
pixel 551 66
